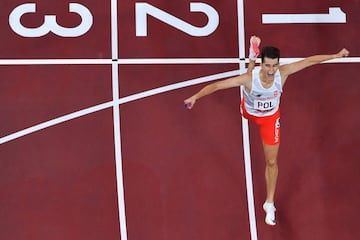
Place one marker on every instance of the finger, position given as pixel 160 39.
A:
pixel 188 105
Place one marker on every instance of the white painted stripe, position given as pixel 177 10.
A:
pixel 245 128
pixel 177 86
pixel 114 29
pixel 248 177
pixel 241 29
pixel 116 118
pixel 142 61
pixel 123 100
pixel 337 60
pixel 53 61
pixel 134 97
pixel 118 61
pixel 179 61
pixel 55 121
pixel 118 155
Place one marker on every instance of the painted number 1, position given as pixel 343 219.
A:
pixel 335 15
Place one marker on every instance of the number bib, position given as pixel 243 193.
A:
pixel 265 105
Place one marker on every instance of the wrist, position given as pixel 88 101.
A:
pixel 195 97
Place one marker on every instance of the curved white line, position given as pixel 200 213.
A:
pixel 134 97
pixel 137 96
pixel 54 122
pixel 175 86
pixel 110 104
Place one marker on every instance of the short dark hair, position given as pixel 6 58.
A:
pixel 270 52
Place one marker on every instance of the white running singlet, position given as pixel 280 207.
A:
pixel 261 102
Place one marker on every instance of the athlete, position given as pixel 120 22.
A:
pixel 263 86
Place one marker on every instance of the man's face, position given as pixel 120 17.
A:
pixel 269 68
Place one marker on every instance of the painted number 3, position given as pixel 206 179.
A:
pixel 50 24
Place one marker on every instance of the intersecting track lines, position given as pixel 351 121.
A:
pixel 110 104
pixel 136 96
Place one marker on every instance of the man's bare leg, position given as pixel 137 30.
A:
pixel 271 170
pixel 271 175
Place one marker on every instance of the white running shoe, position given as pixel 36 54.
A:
pixel 254 48
pixel 270 209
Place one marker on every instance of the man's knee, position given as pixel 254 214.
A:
pixel 272 162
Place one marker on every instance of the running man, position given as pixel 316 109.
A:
pixel 262 90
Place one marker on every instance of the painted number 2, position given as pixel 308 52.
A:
pixel 145 9
pixel 50 24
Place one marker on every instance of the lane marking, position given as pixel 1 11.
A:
pixel 116 118
pixel 118 154
pixel 248 177
pixel 175 86
pixel 155 61
pixel 141 95
pixel 54 61
pixel 134 97
pixel 55 121
pixel 119 101
pixel 245 128
pixel 335 15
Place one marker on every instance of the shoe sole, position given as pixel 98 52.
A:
pixel 268 222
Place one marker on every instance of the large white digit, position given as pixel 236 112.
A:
pixel 16 26
pixel 335 15
pixel 144 9
pixel 84 27
pixel 50 24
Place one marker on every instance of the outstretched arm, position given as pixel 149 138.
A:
pixel 244 79
pixel 237 81
pixel 289 69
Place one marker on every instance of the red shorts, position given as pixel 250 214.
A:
pixel 269 126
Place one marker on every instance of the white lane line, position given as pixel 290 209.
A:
pixel 118 61
pixel 116 118
pixel 142 95
pixel 118 155
pixel 248 177
pixel 123 100
pixel 55 121
pixel 179 61
pixel 245 128
pixel 337 60
pixel 175 86
pixel 54 61
pixel 154 61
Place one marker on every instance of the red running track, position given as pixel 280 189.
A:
pixel 183 170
